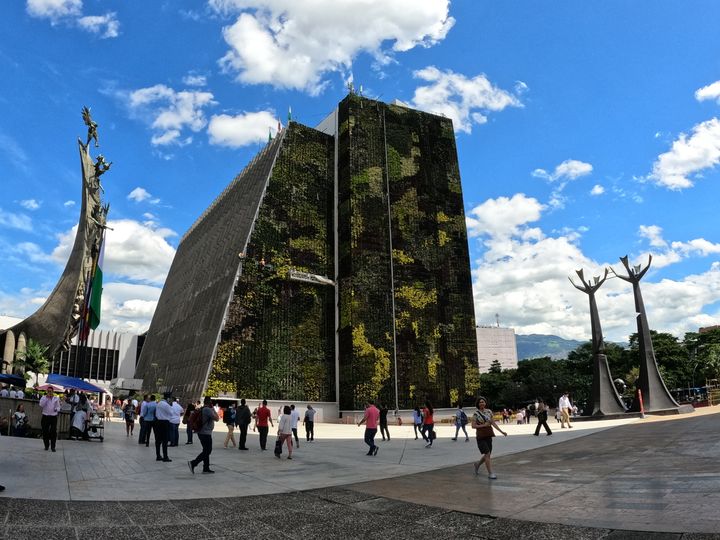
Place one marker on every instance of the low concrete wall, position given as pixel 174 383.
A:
pixel 8 406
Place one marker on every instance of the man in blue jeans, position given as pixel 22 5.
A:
pixel 208 418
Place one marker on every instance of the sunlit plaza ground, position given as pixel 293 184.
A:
pixel 656 474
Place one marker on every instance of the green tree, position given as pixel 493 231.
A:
pixel 34 359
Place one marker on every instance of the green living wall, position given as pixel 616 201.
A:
pixel 387 150
pixel 278 340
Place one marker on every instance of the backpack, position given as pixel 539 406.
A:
pixel 463 418
pixel 195 421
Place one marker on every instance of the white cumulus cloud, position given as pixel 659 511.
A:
pixel 194 80
pixel 132 250
pixel 711 91
pixel 30 204
pixel 294 44
pixel 689 155
pixel 54 9
pixel 70 13
pixel 15 221
pixel 503 217
pixel 106 26
pixel 462 99
pixel 171 111
pixel 141 194
pixel 242 129
pixel 597 190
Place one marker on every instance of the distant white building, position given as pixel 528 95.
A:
pixel 495 343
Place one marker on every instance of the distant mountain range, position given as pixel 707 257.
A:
pixel 539 345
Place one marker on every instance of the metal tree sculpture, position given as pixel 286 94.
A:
pixel 605 399
pixel 654 392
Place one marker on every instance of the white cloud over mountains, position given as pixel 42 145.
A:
pixel 522 274
pixel 464 100
pixel 292 44
pixel 70 12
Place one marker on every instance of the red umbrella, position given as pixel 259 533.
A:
pixel 47 386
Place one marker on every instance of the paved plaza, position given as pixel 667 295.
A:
pixel 598 480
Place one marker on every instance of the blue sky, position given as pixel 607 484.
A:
pixel 585 131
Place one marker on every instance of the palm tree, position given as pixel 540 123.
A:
pixel 33 359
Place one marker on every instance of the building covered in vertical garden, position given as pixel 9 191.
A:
pixel 334 268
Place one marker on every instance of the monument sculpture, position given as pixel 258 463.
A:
pixel 64 312
pixel 604 398
pixel 655 394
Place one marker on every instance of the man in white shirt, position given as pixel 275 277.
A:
pixel 175 423
pixel 565 406
pixel 4 392
pixel 20 394
pixel 13 393
pixel 294 419
pixel 161 427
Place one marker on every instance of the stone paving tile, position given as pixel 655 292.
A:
pixel 110 533
pixel 38 533
pixel 637 535
pixel 243 528
pixel 27 511
pixel 700 536
pixel 340 495
pixel 158 513
pixel 186 531
pixel 510 529
pixel 459 524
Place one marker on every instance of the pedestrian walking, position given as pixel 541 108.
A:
pixel 371 420
pixel 428 430
pixel 208 417
pixel 263 417
pixel 285 431
pixel 417 422
pixel 483 425
pixel 565 406
pixel 229 419
pixel 242 420
pixel 129 415
pixel 461 421
pixel 161 427
pixel 186 421
pixel 542 414
pixel 141 418
pixel 50 406
pixel 383 422
pixel 295 418
pixel 309 422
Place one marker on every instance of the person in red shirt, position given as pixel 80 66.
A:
pixel 263 417
pixel 371 418
pixel 428 424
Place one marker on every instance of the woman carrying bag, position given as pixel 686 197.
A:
pixel 483 425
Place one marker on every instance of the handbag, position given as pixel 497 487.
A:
pixel 485 431
pixel 278 447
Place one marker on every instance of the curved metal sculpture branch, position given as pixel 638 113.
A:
pixel 654 392
pixel 605 399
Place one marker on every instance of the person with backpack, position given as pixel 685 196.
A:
pixel 461 421
pixel 203 423
pixel 417 422
pixel 186 420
